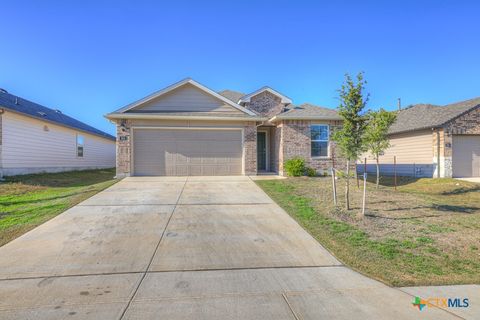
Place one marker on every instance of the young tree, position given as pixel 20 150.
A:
pixel 349 138
pixel 376 134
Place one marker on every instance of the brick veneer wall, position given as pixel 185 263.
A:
pixel 250 148
pixel 469 123
pixel 266 104
pixel 294 141
pixel 123 148
pixel 278 165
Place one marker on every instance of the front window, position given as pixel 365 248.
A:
pixel 80 145
pixel 319 137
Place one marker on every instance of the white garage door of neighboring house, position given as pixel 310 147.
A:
pixel 466 156
pixel 187 152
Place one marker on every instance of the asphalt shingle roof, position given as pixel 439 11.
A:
pixel 231 95
pixel 32 109
pixel 426 116
pixel 308 110
pixel 305 110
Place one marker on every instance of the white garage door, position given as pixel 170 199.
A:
pixel 187 152
pixel 466 156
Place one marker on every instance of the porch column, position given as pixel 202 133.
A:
pixel 250 148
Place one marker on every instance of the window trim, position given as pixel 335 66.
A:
pixel 82 145
pixel 320 140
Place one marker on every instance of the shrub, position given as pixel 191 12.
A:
pixel 310 172
pixel 295 167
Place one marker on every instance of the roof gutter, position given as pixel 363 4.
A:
pixel 112 116
pixel 413 130
pixel 277 118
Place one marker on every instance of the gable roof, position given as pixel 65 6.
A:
pixel 247 97
pixel 232 95
pixel 427 116
pixel 175 86
pixel 34 110
pixel 307 111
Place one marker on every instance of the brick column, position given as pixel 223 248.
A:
pixel 278 149
pixel 123 148
pixel 447 170
pixel 250 148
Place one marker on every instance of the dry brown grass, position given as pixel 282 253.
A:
pixel 425 233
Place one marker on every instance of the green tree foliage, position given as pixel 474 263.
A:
pixel 376 134
pixel 349 138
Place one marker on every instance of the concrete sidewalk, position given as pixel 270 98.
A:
pixel 475 179
pixel 186 248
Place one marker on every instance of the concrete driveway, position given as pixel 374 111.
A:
pixel 185 248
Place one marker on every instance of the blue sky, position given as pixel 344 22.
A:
pixel 91 57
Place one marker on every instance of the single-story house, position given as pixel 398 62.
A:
pixel 434 141
pixel 34 139
pixel 189 129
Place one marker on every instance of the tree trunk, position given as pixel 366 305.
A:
pixel 378 173
pixel 356 175
pixel 347 187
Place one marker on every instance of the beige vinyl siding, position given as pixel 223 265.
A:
pixel 186 123
pixel 28 147
pixel 412 147
pixel 414 152
pixel 187 98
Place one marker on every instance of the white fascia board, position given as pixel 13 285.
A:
pixel 112 116
pixel 276 118
pixel 284 98
pixel 177 85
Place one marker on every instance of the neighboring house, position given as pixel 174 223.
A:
pixel 37 139
pixel 188 129
pixel 435 141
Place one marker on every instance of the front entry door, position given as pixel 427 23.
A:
pixel 262 151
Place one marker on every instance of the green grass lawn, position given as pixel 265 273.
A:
pixel 426 233
pixel 29 200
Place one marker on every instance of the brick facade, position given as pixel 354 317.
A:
pixel 250 148
pixel 123 148
pixel 468 123
pixel 294 141
pixel 287 139
pixel 266 104
pixel 277 140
